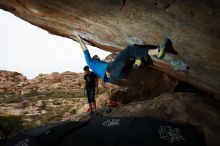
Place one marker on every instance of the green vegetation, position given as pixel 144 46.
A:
pixel 9 97
pixel 61 93
pixel 73 111
pixel 11 125
pixel 34 95
pixel 62 106
pixel 7 94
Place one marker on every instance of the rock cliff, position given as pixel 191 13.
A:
pixel 193 27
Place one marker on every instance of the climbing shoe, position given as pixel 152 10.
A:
pixel 166 47
pixel 137 63
pixel 162 49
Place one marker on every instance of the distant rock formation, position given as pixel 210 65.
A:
pixel 14 82
pixel 10 81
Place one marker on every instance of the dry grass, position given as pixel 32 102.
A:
pixel 62 100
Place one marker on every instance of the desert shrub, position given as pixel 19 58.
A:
pixel 11 125
pixel 60 94
pixel 9 97
pixel 33 93
pixel 73 111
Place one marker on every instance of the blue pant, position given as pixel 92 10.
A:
pixel 119 67
pixel 90 93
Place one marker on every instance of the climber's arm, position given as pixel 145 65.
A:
pixel 84 48
pixel 82 44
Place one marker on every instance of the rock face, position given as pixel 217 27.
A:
pixel 9 81
pixel 193 27
pixel 141 84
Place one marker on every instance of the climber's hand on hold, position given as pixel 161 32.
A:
pixel 77 36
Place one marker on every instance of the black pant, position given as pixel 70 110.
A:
pixel 117 67
pixel 90 93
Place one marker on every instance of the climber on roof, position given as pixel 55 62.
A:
pixel 119 68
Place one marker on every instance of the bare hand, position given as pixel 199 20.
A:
pixel 73 38
pixel 82 44
pixel 77 36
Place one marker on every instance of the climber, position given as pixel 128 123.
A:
pixel 90 88
pixel 118 69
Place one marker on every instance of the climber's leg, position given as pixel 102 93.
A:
pixel 116 68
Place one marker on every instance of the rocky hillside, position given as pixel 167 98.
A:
pixel 45 99
pixel 16 83
pixel 32 96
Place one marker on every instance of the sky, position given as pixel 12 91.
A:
pixel 30 50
